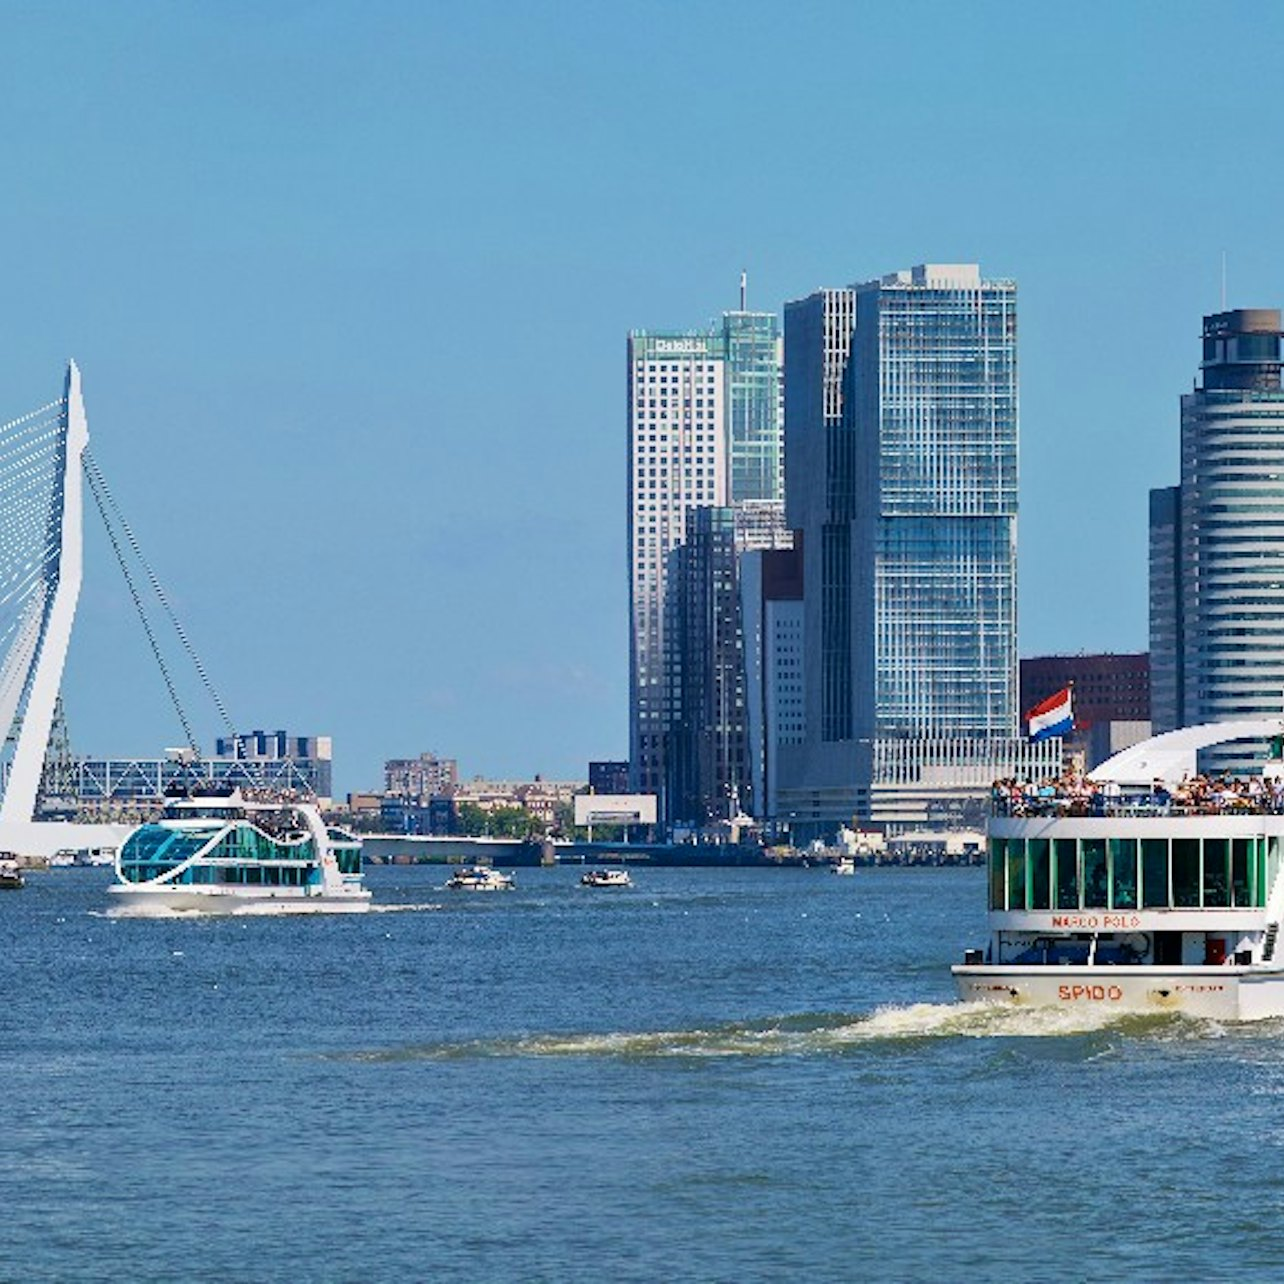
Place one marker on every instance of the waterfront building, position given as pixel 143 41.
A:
pixel 1217 541
pixel 1111 698
pixel 608 777
pixel 771 612
pixel 710 776
pixel 103 787
pixel 905 442
pixel 704 416
pixel 316 753
pixel 420 779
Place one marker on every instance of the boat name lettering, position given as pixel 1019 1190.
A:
pixel 1091 993
pixel 1097 922
pixel 1200 989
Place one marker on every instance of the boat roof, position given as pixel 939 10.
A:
pixel 1172 755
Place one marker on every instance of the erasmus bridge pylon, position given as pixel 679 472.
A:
pixel 41 560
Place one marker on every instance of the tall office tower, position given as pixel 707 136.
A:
pixel 677 461
pixel 1220 617
pixel 710 776
pixel 771 612
pixel 704 431
pixel 911 663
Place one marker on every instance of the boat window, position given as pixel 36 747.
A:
pixel 998 857
pixel 1154 873
pixel 1066 851
pixel 1216 872
pixel 1123 873
pixel 1185 872
pixel 1095 887
pixel 1016 874
pixel 1269 858
pixel 1040 852
pixel 1241 863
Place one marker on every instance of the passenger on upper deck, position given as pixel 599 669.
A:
pixel 1073 794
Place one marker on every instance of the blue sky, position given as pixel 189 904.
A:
pixel 349 284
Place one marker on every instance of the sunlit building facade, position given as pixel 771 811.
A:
pixel 909 485
pixel 704 432
pixel 1217 603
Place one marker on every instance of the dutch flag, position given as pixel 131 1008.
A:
pixel 1051 717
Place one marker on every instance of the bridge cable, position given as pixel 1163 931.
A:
pixel 142 615
pixel 99 482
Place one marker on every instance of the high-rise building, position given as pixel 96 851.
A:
pixel 771 612
pixel 1217 541
pixel 907 497
pixel 420 779
pixel 704 431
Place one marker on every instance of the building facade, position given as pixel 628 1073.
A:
pixel 909 489
pixel 1111 698
pixel 1217 610
pixel 771 612
pixel 704 413
pixel 420 779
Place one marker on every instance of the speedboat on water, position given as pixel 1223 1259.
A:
pixel 606 878
pixel 1145 887
pixel 11 877
pixel 214 851
pixel 480 878
pixel 843 865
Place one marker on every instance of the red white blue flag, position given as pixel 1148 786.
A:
pixel 1051 717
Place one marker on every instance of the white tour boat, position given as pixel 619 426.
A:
pixel 213 851
pixel 11 877
pixel 606 878
pixel 480 878
pixel 1148 888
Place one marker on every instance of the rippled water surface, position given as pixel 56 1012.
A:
pixel 714 1075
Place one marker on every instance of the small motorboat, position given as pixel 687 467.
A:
pixel 843 865
pixel 606 878
pixel 10 875
pixel 480 878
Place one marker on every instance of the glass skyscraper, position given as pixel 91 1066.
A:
pixel 704 432
pixel 1217 541
pixel 907 494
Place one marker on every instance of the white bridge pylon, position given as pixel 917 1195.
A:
pixel 41 562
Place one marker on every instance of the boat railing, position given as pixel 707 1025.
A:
pixel 1106 806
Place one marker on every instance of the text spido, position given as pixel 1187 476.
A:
pixel 1089 993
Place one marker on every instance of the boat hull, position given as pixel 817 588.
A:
pixel 131 899
pixel 1229 992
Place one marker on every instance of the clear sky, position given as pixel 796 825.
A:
pixel 349 284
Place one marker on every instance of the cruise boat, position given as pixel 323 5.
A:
pixel 214 851
pixel 11 878
pixel 1144 888
pixel 606 878
pixel 480 878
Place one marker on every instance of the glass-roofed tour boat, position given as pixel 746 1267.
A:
pixel 215 851
pixel 1144 887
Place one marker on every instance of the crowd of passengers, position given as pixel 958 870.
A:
pixel 1073 794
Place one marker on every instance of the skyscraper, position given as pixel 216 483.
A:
pixel 1217 540
pixel 907 496
pixel 704 431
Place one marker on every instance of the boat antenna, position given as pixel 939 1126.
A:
pixel 1223 280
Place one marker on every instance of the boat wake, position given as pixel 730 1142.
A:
pixel 810 1035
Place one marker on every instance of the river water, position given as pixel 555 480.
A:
pixel 715 1075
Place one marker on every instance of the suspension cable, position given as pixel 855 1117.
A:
pixel 142 615
pixel 99 482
